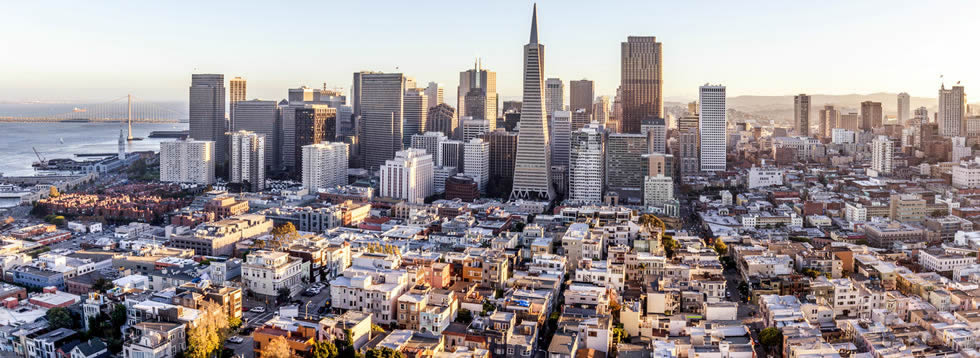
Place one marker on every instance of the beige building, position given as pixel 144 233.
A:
pixel 265 272
pixel 219 238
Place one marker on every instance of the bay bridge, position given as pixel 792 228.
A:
pixel 127 108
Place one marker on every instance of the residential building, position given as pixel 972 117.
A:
pixel 324 165
pixel 248 160
pixel 712 128
pixel 586 165
pixel 187 161
pixel 260 117
pixel 476 154
pixel 951 115
pixel 882 155
pixel 265 272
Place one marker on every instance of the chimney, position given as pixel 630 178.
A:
pixel 10 302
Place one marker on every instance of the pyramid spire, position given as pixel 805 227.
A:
pixel 534 25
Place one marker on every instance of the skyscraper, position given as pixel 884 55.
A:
pixel 485 83
pixel 688 143
pixel 624 165
pixel 476 153
pixel 829 119
pixel 207 113
pixel 431 143
pixel 882 151
pixel 261 117
pixel 532 168
pixel 434 92
pixel 904 108
pixel 712 128
pixel 801 115
pixel 247 160
pixel 442 118
pixel 580 118
pixel 452 154
pixel 382 112
pixel 952 111
pixel 554 92
pixel 503 151
pixel 641 80
pixel 561 132
pixel 416 114
pixel 409 176
pixel 324 165
pixel 581 94
pixel 304 124
pixel 600 110
pixel 585 172
pixel 870 115
pixel 236 93
pixel 656 135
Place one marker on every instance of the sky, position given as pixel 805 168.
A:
pixel 101 50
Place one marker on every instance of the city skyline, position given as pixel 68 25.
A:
pixel 154 55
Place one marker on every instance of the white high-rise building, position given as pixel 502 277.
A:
pixel 586 164
pixel 952 111
pixel 712 128
pixel 187 161
pixel 408 176
pixel 324 165
pixel 431 142
pixel 904 108
pixel 554 96
pixel 439 176
pixel 882 152
pixel 473 128
pixel 842 136
pixel 477 157
pixel 247 160
pixel 656 131
pixel 434 92
pixel 561 133
pixel 960 149
pixel 657 190
pixel 532 165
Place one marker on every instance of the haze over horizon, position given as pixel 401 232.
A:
pixel 98 51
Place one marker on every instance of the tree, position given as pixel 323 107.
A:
pixel 209 335
pixel 102 285
pixel 771 337
pixel 59 317
pixel 283 235
pixel 938 213
pixel 234 323
pixel 53 192
pixel 325 349
pixel 464 316
pixel 619 335
pixel 283 294
pixel 384 352
pixel 376 328
pixel 59 220
pixel 670 245
pixel 720 247
pixel 278 347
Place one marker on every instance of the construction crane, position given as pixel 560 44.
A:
pixel 40 163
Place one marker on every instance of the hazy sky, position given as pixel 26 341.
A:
pixel 62 50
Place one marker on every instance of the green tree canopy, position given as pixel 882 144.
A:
pixel 59 317
pixel 771 337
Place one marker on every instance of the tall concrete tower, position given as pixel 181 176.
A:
pixel 532 167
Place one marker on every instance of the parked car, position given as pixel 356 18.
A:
pixel 258 309
pixel 236 339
